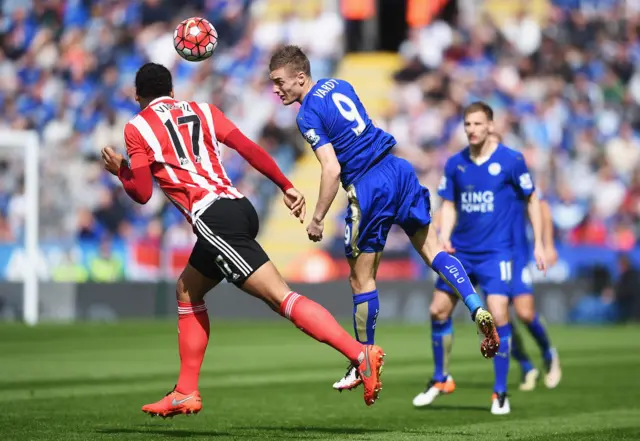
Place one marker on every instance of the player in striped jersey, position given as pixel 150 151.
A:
pixel 177 143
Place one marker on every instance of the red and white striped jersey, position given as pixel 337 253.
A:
pixel 179 141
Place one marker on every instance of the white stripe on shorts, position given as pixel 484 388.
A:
pixel 225 249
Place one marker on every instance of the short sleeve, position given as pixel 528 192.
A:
pixel 136 147
pixel 521 178
pixel 446 188
pixel 312 129
pixel 223 126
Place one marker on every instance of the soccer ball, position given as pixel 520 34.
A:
pixel 195 39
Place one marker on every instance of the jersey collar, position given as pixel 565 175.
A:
pixel 161 98
pixel 468 155
pixel 313 86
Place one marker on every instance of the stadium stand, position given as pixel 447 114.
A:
pixel 562 75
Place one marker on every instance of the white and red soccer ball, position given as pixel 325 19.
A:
pixel 195 39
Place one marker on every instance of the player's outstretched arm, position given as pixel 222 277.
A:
pixel 227 133
pixel 137 180
pixel 535 216
pixel 551 253
pixel 329 184
pixel 261 161
pixel 256 156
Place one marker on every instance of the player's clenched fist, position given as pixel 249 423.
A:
pixel 294 200
pixel 314 230
pixel 112 160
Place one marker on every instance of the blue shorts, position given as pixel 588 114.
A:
pixel 491 272
pixel 522 282
pixel 389 193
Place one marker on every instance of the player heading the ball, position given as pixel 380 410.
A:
pixel 382 190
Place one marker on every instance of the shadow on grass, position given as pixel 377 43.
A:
pixel 453 407
pixel 256 432
pixel 317 429
pixel 174 433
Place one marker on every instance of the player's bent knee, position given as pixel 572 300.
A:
pixel 432 246
pixel 425 241
pixel 525 315
pixel 192 286
pixel 362 272
pixel 181 293
pixel 442 306
pixel 524 307
pixel 267 284
pixel 360 284
pixel 438 313
pixel 499 308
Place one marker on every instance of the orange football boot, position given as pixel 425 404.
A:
pixel 175 403
pixel 446 387
pixel 370 369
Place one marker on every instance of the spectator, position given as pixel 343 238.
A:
pixel 567 94
pixel 626 290
pixel 106 267
pixel 67 70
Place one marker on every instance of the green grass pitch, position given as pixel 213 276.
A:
pixel 266 381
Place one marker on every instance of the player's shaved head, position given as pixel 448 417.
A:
pixel 479 106
pixel 152 81
pixel 292 57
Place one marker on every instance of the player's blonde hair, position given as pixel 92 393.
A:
pixel 292 56
pixel 479 106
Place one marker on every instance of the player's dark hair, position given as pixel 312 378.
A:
pixel 479 106
pixel 153 80
pixel 291 56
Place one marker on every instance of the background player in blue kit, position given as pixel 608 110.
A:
pixel 382 190
pixel 522 297
pixel 482 187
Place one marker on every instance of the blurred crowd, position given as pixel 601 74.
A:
pixel 566 93
pixel 67 70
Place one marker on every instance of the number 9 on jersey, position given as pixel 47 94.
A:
pixel 348 110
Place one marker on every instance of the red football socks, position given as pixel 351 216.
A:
pixel 314 320
pixel 193 336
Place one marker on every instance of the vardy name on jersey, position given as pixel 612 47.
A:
pixel 488 198
pixel 332 113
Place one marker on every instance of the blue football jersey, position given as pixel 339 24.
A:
pixel 487 199
pixel 332 113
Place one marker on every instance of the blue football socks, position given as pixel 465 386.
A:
pixel 365 313
pixel 501 360
pixel 451 271
pixel 539 333
pixel 441 343
pixel 518 351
